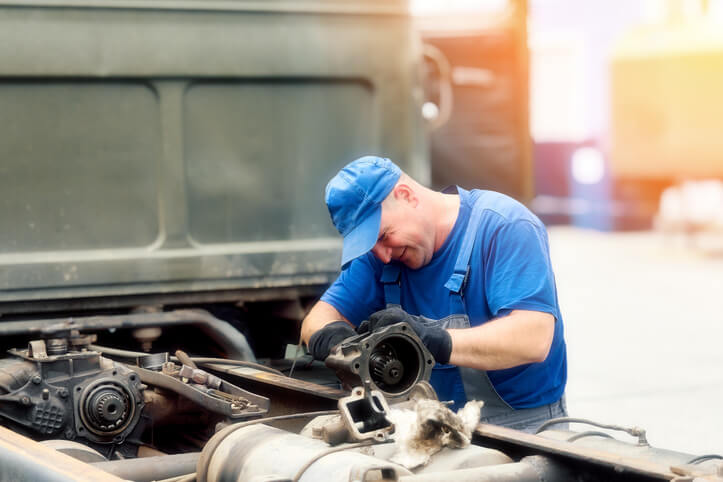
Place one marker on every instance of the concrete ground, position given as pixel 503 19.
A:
pixel 644 326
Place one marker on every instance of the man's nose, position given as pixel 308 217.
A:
pixel 383 253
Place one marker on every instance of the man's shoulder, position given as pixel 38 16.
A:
pixel 501 208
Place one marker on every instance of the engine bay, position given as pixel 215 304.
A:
pixel 369 414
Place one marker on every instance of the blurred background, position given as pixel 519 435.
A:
pixel 625 106
pixel 159 156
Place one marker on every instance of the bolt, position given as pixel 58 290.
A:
pixel 69 434
pixel 46 394
pixel 37 379
pixel 25 400
pixel 63 393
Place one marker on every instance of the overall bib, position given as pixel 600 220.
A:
pixel 475 383
pixel 470 383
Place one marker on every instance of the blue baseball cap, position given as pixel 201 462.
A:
pixel 354 198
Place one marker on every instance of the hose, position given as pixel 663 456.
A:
pixel 590 433
pixel 634 431
pixel 185 359
pixel 233 341
pixel 181 478
pixel 703 458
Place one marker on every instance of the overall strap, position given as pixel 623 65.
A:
pixel 391 274
pixel 458 281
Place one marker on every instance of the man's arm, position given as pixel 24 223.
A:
pixel 321 314
pixel 516 339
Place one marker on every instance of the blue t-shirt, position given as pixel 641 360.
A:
pixel 509 269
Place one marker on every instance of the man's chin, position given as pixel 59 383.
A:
pixel 413 263
pixel 413 259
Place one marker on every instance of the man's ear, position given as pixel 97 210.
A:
pixel 404 192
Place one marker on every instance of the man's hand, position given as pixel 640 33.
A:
pixel 437 340
pixel 323 340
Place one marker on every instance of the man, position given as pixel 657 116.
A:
pixel 469 271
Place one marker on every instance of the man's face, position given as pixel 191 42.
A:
pixel 404 235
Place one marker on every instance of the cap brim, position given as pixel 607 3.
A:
pixel 362 238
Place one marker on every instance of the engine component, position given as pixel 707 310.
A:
pixel 153 361
pixel 62 388
pixel 362 416
pixel 227 400
pixel 391 360
pixel 56 346
pixel 231 340
pixel 365 415
pixel 14 373
pixel 76 450
pixel 51 390
pixel 200 377
pixel 151 468
pixel 253 451
pixel 106 407
pixel 25 460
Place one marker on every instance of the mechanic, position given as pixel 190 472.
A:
pixel 468 270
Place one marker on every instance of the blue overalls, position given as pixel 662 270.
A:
pixel 464 383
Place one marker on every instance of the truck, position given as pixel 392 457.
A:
pixel 665 103
pixel 163 234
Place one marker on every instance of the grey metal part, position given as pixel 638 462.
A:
pixel 55 400
pixel 360 410
pixel 516 472
pixel 619 460
pixel 23 460
pixel 183 146
pixel 621 447
pixel 128 383
pixel 76 450
pixel 529 469
pixel 105 297
pixel 14 373
pixel 254 452
pixel 351 360
pixel 151 468
pixel 257 405
pixel 448 459
pixel 233 342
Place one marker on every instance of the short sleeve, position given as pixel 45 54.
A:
pixel 357 293
pixel 518 270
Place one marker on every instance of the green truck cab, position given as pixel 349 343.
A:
pixel 169 154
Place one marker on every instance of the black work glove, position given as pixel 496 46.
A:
pixel 323 340
pixel 437 340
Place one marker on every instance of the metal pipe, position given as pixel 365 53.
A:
pixel 24 460
pixel 634 431
pixel 151 468
pixel 117 352
pixel 515 472
pixel 230 339
pixel 534 468
pixel 185 359
pixel 253 451
pixel 219 437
